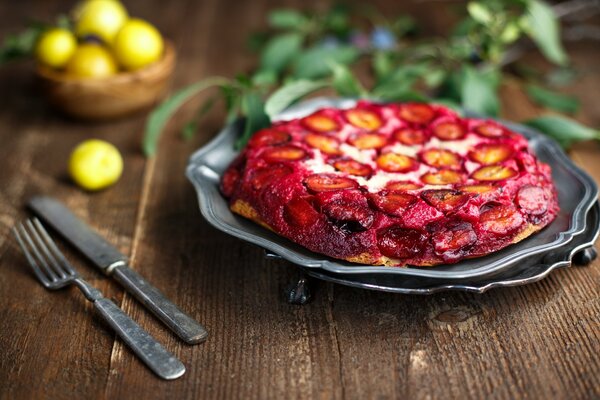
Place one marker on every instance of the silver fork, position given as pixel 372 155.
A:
pixel 54 272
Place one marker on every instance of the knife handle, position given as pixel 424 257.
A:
pixel 188 329
pixel 156 357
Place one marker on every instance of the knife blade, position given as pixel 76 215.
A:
pixel 113 263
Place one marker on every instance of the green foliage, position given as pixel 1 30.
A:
pixel 307 51
pixel 553 100
pixel 288 94
pixel 542 26
pixel 478 92
pixel 564 130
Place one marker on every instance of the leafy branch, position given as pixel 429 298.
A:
pixel 304 52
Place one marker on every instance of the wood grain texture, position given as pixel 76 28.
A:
pixel 539 341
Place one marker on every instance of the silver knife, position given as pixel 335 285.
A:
pixel 113 263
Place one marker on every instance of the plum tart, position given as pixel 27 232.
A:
pixel 392 184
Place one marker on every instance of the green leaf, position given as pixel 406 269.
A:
pixel 479 13
pixel 279 51
pixel 404 76
pixel 550 99
pixel 256 118
pixel 382 64
pixel 564 130
pixel 543 27
pixel 190 129
pixel 478 93
pixel 160 115
pixel 288 94
pixel 345 83
pixel 20 45
pixel 314 62
pixel 287 19
pixel 561 76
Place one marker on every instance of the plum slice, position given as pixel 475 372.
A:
pixel 494 173
pixel 263 177
pixel 326 144
pixel 366 141
pixel 393 162
pixel 397 242
pixel 320 123
pixel 477 189
pixel 284 153
pixel 441 158
pixel 487 154
pixel 442 177
pixel 347 209
pixel 501 219
pixel 299 212
pixel 353 167
pixel 532 199
pixel 410 136
pixel 449 130
pixel 416 113
pixel 393 203
pixel 490 130
pixel 328 182
pixel 364 119
pixel 402 185
pixel 453 237
pixel 269 137
pixel 445 200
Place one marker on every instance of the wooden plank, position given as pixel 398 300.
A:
pixel 51 338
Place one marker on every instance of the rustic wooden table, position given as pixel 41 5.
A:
pixel 537 341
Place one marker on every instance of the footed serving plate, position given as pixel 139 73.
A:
pixel 573 230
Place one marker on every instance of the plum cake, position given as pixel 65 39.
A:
pixel 392 184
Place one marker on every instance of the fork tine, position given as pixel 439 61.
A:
pixel 30 259
pixel 56 253
pixel 48 261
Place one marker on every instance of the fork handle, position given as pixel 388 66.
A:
pixel 152 353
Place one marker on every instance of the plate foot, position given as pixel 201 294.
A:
pixel 585 256
pixel 300 290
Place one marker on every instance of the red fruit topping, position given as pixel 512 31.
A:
pixel 229 181
pixel 327 182
pixel 269 137
pixel 396 242
pixel 320 123
pixel 367 141
pixel 441 158
pixel 326 144
pixel 347 209
pixel 364 119
pixel 449 131
pixel 410 136
pixel 283 153
pixel 300 212
pixel 532 199
pixel 487 154
pixel 393 162
pixel 445 199
pixel 263 177
pixel 416 113
pixel 442 177
pixel 393 203
pixel 489 129
pixel 453 237
pixel 353 167
pixel 420 214
pixel 402 185
pixel 494 173
pixel 478 189
pixel 501 219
